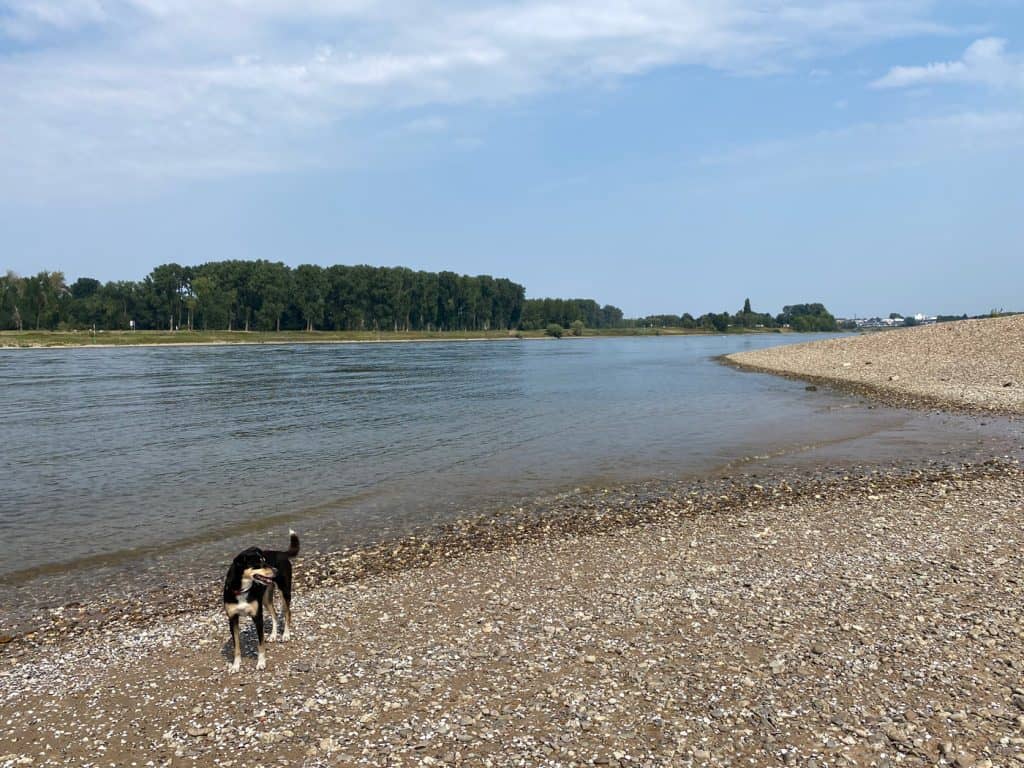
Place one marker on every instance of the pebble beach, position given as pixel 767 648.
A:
pixel 852 617
pixel 971 365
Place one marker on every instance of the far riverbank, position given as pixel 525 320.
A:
pixel 102 339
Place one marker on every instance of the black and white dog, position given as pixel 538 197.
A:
pixel 249 588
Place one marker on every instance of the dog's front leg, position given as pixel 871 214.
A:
pixel 237 640
pixel 261 660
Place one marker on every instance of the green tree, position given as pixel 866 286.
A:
pixel 42 296
pixel 807 317
pixel 11 293
pixel 311 286
pixel 272 291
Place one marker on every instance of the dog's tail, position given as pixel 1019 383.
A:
pixel 293 544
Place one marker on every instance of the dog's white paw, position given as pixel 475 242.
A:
pixel 233 669
pixel 286 636
pixel 261 664
pixel 273 638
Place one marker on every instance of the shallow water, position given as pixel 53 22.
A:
pixel 112 455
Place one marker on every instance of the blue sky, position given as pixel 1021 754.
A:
pixel 660 156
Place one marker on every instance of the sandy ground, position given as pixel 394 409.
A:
pixel 973 365
pixel 868 619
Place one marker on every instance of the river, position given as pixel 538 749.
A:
pixel 111 455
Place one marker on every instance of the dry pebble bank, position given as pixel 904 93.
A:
pixel 970 365
pixel 864 619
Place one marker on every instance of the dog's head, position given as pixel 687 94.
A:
pixel 251 565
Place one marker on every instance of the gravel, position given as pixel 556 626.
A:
pixel 866 619
pixel 970 365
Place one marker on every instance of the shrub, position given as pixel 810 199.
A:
pixel 554 329
pixel 577 327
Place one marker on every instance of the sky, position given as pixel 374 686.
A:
pixel 664 156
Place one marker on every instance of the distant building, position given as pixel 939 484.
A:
pixel 893 322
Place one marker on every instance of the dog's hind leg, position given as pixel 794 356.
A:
pixel 286 598
pixel 261 659
pixel 268 605
pixel 237 640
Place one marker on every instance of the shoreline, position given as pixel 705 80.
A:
pixel 583 512
pixel 969 366
pixel 570 625
pixel 875 392
pixel 34 592
pixel 266 338
pixel 226 343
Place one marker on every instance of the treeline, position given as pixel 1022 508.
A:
pixel 798 317
pixel 539 313
pixel 264 295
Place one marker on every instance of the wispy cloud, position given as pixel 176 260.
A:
pixel 985 62
pixel 868 148
pixel 99 91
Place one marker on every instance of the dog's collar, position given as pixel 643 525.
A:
pixel 238 592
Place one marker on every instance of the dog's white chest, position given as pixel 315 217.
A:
pixel 243 607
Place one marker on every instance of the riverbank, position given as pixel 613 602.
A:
pixel 830 617
pixel 103 339
pixel 975 366
pixel 862 619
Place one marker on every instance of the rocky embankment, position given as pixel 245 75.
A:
pixel 866 620
pixel 971 365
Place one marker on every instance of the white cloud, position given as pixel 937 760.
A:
pixel 985 62
pixel 104 91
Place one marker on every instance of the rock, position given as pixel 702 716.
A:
pixel 965 760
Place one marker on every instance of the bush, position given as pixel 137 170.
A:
pixel 577 327
pixel 554 329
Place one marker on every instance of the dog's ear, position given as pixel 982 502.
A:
pixel 234 577
pixel 251 555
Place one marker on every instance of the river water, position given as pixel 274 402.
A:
pixel 110 455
